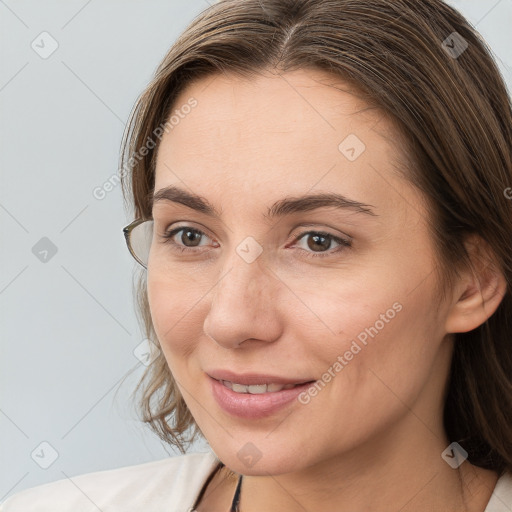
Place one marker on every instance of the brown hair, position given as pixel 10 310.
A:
pixel 450 106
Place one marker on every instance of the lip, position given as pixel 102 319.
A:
pixel 248 406
pixel 248 379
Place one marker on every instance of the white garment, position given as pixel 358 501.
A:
pixel 167 485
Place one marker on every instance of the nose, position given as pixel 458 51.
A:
pixel 243 304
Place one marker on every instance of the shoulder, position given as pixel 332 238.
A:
pixel 168 484
pixel 501 498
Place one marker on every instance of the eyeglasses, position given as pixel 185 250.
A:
pixel 139 237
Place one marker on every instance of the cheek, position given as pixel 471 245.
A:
pixel 376 365
pixel 359 308
pixel 383 298
pixel 384 354
pixel 176 310
pixel 382 328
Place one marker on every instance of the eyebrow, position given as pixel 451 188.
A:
pixel 280 208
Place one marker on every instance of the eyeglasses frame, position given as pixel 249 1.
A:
pixel 127 230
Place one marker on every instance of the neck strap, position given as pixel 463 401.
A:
pixel 236 498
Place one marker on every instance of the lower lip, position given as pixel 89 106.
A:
pixel 246 405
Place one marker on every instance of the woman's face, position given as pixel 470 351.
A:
pixel 269 289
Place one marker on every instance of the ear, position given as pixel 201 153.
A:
pixel 479 291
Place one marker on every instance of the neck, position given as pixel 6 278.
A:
pixel 389 474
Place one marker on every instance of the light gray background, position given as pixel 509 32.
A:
pixel 68 325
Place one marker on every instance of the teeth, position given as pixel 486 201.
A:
pixel 256 389
pixel 276 387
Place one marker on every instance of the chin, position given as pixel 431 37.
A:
pixel 267 457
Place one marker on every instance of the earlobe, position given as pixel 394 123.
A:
pixel 480 289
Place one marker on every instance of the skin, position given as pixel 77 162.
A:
pixel 372 438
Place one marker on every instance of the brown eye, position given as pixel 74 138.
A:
pixel 188 240
pixel 316 242
pixel 189 237
pixel 320 243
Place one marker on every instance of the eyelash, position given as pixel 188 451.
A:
pixel 344 244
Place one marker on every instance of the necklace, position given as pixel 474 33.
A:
pixel 236 498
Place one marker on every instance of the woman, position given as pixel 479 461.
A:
pixel 321 195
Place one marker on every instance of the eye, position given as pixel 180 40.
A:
pixel 189 237
pixel 321 240
pixel 318 242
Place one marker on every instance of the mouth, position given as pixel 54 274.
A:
pixel 255 379
pixel 259 389
pixel 251 401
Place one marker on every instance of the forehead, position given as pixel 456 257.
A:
pixel 298 106
pixel 294 131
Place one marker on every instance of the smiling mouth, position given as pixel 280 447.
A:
pixel 260 396
pixel 258 389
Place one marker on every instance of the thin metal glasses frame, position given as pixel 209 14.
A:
pixel 127 231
